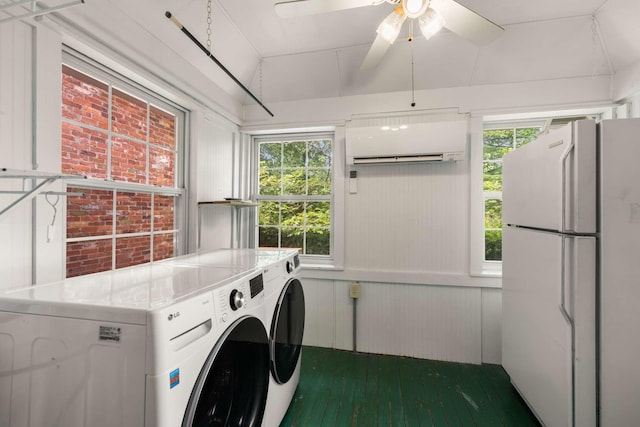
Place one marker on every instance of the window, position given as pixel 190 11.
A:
pixel 127 142
pixel 496 143
pixel 295 193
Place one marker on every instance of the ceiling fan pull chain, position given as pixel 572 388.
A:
pixel 209 25
pixel 413 92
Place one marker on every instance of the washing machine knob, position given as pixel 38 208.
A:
pixel 289 267
pixel 236 300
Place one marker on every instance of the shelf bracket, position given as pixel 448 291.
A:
pixel 47 178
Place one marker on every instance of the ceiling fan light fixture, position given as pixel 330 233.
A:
pixel 430 23
pixel 414 8
pixel 390 27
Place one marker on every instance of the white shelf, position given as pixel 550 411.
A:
pixel 41 180
pixel 10 10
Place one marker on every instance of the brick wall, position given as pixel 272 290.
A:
pixel 135 144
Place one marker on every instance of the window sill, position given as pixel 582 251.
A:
pixel 486 273
pixel 321 267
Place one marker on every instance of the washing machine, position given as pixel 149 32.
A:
pixel 285 307
pixel 152 345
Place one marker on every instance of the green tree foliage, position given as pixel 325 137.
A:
pixel 288 171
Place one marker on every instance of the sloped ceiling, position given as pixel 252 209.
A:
pixel 319 56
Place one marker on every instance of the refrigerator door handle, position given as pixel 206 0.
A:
pixel 563 193
pixel 563 287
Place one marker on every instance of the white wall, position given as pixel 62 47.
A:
pixel 15 148
pixel 407 229
pixel 217 171
pixel 29 116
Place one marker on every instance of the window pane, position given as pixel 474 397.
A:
pixel 319 182
pixel 163 246
pixel 294 154
pixel 292 214
pixel 162 128
pixel 493 245
pixel 128 161
pixel 84 99
pixel 270 155
pixel 292 238
pixel 268 237
pixel 91 214
pixel 320 153
pixel 270 182
pixel 129 115
pixel 162 167
pixel 163 212
pixel 492 179
pixel 294 182
pixel 132 251
pixel 525 136
pixel 497 143
pixel 493 213
pixel 88 257
pixel 269 213
pixel 295 168
pixel 133 213
pixel 318 214
pixel 84 151
pixel 110 133
pixel 318 241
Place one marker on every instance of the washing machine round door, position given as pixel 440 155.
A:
pixel 231 389
pixel 287 328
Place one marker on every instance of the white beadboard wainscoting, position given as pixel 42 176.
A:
pixel 452 323
pixel 409 217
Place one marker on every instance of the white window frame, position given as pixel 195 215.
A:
pixel 336 258
pixel 178 191
pixel 477 265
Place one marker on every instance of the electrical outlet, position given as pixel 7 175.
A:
pixel 354 290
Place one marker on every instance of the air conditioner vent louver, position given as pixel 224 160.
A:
pixel 436 141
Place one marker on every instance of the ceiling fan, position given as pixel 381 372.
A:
pixel 431 15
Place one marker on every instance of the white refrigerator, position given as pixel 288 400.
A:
pixel 571 273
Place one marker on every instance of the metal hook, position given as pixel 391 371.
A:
pixel 53 204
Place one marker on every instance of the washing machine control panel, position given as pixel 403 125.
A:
pixel 292 264
pixel 236 299
pixel 233 300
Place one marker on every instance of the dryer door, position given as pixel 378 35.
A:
pixel 232 387
pixel 287 328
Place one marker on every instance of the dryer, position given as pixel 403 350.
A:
pixel 285 307
pixel 153 345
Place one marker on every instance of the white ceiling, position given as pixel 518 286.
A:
pixel 319 56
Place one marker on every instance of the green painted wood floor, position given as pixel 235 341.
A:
pixel 342 388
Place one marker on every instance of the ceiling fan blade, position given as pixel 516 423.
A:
pixel 466 23
pixel 293 8
pixel 376 52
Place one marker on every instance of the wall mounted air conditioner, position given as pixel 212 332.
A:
pixel 437 141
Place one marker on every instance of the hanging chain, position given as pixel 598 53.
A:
pixel 594 46
pixel 209 25
pixel 260 72
pixel 413 89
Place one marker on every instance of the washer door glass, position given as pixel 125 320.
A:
pixel 232 387
pixel 287 328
